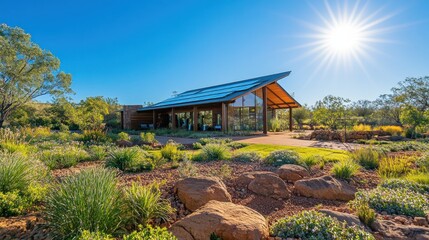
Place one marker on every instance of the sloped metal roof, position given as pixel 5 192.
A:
pixel 222 93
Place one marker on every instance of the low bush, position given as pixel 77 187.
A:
pixel 171 152
pixel 423 162
pixel 97 152
pixel 205 141
pixel 362 127
pixel 418 177
pixel 224 172
pixel 145 203
pixel 12 204
pixel 11 147
pixel 394 201
pixel 310 161
pixel 345 169
pixel 394 167
pixel 123 136
pixel 89 200
pixel 366 157
pixel 280 157
pixel 391 129
pixel 211 152
pixel 63 157
pixel 237 145
pixel 94 136
pixel 87 235
pixel 197 145
pixel 148 137
pixel 187 169
pixel 131 159
pixel 250 156
pixel 150 233
pixel 403 184
pixel 316 225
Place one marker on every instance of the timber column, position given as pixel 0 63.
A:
pixel 264 111
pixel 290 120
pixel 195 118
pixel 224 117
pixel 173 119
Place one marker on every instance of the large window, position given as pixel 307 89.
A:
pixel 245 114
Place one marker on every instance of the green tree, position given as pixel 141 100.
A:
pixel 363 110
pixel 331 111
pixel 26 71
pixel 300 115
pixel 91 112
pixel 414 92
pixel 388 110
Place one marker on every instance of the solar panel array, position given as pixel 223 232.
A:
pixel 216 92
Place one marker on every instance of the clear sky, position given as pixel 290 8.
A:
pixel 142 51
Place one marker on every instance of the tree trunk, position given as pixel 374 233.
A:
pixel 1 123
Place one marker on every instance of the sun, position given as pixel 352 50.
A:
pixel 345 36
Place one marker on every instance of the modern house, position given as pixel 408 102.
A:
pixel 244 105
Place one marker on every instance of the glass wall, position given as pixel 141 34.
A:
pixel 245 114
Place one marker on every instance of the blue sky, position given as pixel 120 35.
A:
pixel 142 51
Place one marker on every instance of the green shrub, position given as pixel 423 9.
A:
pixel 89 200
pixel 366 214
pixel 423 162
pixel 94 136
pixel 418 177
pixel 97 152
pixel 394 167
pixel 171 152
pixel 150 233
pixel 145 203
pixel 130 159
pixel 87 235
pixel 197 145
pixel 394 201
pixel 11 147
pixel 248 157
pixel 12 204
pixel 366 157
pixel 345 169
pixel 281 157
pixel 316 225
pixel 275 125
pixel 148 137
pixel 123 136
pixel 403 184
pixel 224 172
pixel 310 161
pixel 63 157
pixel 187 169
pixel 237 145
pixel 212 152
pixel 205 141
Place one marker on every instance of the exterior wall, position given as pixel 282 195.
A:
pixel 129 112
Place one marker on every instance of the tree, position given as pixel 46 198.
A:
pixel 388 110
pixel 91 112
pixel 414 92
pixel 26 71
pixel 364 110
pixel 300 115
pixel 331 111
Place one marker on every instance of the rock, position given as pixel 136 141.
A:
pixel 265 183
pixel 388 229
pixel 420 221
pixel 292 172
pixel 194 192
pixel 400 219
pixel 227 220
pixel 350 219
pixel 325 187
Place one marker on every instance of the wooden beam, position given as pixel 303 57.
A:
pixel 264 111
pixel 273 113
pixel 224 117
pixel 173 119
pixel 290 120
pixel 195 118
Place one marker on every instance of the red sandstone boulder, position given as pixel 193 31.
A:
pixel 292 172
pixel 264 183
pixel 325 187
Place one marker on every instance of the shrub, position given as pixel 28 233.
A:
pixel 9 136
pixel 130 159
pixel 145 204
pixel 280 157
pixel 366 157
pixel 123 136
pixel 150 233
pixel 403 184
pixel 365 213
pixel 361 127
pixel 316 225
pixel 224 171
pixel 95 136
pixel 393 201
pixel 423 162
pixel 394 167
pixel 237 145
pixel 87 235
pixel 63 157
pixel 275 125
pixel 187 169
pixel 11 147
pixel 212 152
pixel 12 204
pixel 418 177
pixel 248 157
pixel 148 137
pixel 171 152
pixel 311 161
pixel 197 145
pixel 89 200
pixel 392 130
pixel 97 152
pixel 345 169
pixel 205 141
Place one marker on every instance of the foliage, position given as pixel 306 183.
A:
pixel 123 136
pixel 366 157
pixel 330 110
pixel 63 157
pixel 362 127
pixel 197 145
pixel 95 136
pixel 130 159
pixel 418 177
pixel 393 201
pixel 205 141
pixel 280 157
pixel 187 169
pixel 248 156
pixel 315 225
pixel 423 161
pixel 366 214
pixel 150 233
pixel 27 71
pixel 403 184
pixel 393 167
pixel 148 137
pixel 345 169
pixel 89 200
pixel 275 125
pixel 12 204
pixel 310 161
pixel 87 235
pixel 224 172
pixel 212 152
pixel 391 129
pixel 145 204
pixel 171 152
pixel 97 152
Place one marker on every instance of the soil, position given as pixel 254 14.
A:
pixel 31 226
